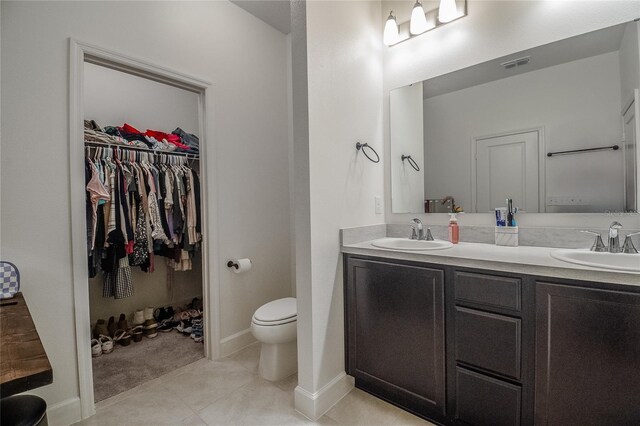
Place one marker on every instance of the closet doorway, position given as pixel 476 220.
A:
pixel 144 288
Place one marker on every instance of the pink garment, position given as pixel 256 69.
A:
pixel 97 192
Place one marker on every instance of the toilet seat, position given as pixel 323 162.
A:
pixel 277 312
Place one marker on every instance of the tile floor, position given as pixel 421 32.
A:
pixel 230 392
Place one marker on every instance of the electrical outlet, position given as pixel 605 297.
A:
pixel 378 202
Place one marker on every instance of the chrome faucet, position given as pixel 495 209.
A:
pixel 614 237
pixel 417 231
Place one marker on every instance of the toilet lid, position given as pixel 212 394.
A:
pixel 277 310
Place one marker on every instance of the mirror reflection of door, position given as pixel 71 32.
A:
pixel 507 167
pixel 631 155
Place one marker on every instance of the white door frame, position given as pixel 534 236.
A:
pixel 79 53
pixel 633 101
pixel 542 172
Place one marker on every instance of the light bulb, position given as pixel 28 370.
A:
pixel 448 11
pixel 418 23
pixel 391 34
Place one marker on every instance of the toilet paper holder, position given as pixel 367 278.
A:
pixel 240 265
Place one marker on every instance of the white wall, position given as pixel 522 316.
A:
pixel 493 29
pixel 247 121
pixel 113 97
pixel 578 106
pixel 629 62
pixel 344 65
pixel 407 138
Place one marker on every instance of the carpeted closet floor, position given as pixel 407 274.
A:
pixel 129 366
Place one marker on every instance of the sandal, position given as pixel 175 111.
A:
pixel 122 337
pixel 106 343
pixel 136 333
pixel 96 348
pixel 150 328
pixel 166 326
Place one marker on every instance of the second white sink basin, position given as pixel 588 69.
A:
pixel 617 261
pixel 411 245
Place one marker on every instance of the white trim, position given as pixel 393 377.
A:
pixel 236 342
pixel 314 405
pixel 632 102
pixel 80 53
pixel 542 166
pixel 65 412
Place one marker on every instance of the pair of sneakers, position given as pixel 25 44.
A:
pixel 102 345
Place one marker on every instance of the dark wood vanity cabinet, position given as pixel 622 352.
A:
pixel 588 355
pixel 395 337
pixel 463 346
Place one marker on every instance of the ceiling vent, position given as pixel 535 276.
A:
pixel 516 62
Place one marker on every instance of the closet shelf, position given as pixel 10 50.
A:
pixel 139 149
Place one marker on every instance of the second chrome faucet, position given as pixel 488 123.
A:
pixel 613 245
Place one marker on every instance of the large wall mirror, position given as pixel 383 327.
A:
pixel 553 127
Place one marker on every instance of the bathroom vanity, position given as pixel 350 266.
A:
pixel 488 345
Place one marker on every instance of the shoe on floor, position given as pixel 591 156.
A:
pixel 148 313
pixel 136 333
pixel 122 323
pixel 100 329
pixel 106 343
pixel 111 327
pixel 138 317
pixel 185 327
pixel 166 325
pixel 96 348
pixel 150 328
pixel 196 304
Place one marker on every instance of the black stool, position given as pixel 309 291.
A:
pixel 23 410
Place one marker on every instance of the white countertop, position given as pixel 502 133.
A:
pixel 523 259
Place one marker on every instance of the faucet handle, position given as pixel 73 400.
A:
pixel 628 246
pixel 428 236
pixel 598 244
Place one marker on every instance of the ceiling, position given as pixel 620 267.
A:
pixel 276 13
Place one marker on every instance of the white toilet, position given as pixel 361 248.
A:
pixel 275 326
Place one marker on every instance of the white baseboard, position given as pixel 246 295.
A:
pixel 235 342
pixel 314 405
pixel 65 413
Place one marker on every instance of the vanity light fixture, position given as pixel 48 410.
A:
pixel 448 11
pixel 418 23
pixel 391 35
pixel 421 21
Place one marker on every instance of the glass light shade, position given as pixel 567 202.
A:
pixel 391 34
pixel 448 11
pixel 418 23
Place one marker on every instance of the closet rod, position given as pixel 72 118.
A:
pixel 137 148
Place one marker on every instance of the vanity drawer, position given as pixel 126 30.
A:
pixel 490 291
pixel 485 401
pixel 488 341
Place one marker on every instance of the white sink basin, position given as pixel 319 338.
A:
pixel 411 245
pixel 617 261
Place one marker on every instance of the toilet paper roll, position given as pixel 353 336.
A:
pixel 243 265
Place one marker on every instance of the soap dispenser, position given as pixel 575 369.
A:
pixel 454 230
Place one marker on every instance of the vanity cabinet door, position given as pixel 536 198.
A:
pixel 587 356
pixel 395 333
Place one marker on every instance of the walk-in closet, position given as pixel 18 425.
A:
pixel 145 226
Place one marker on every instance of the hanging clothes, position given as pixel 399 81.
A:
pixel 139 207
